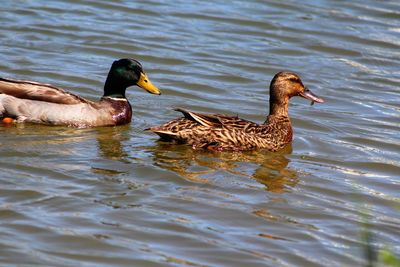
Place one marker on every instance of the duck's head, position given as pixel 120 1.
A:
pixel 126 72
pixel 286 84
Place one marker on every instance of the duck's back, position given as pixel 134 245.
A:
pixel 38 91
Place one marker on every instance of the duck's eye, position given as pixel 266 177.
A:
pixel 294 79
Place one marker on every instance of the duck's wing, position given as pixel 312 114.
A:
pixel 172 130
pixel 192 120
pixel 219 120
pixel 238 123
pixel 195 126
pixel 38 91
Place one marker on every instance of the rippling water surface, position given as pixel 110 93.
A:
pixel 118 197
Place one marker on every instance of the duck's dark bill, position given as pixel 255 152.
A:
pixel 310 96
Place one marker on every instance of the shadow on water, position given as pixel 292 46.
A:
pixel 267 168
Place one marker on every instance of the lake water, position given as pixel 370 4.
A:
pixel 118 197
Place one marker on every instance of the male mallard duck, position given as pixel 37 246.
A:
pixel 221 132
pixel 43 103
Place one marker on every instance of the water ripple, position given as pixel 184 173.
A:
pixel 117 197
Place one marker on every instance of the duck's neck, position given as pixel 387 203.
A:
pixel 113 88
pixel 279 119
pixel 279 107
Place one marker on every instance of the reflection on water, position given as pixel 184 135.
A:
pixel 31 135
pixel 110 142
pixel 267 168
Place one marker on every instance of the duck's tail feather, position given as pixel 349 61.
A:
pixel 205 120
pixel 2 108
pixel 164 134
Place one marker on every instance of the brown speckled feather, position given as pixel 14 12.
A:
pixel 220 132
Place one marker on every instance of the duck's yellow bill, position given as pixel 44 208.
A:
pixel 146 84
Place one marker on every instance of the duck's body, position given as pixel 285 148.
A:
pixel 27 101
pixel 221 132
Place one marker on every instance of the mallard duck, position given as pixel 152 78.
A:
pixel 27 101
pixel 221 132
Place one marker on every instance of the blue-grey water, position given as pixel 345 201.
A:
pixel 118 197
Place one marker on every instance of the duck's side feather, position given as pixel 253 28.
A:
pixel 106 112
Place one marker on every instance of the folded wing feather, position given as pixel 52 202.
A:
pixel 38 91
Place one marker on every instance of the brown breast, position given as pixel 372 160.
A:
pixel 281 128
pixel 121 110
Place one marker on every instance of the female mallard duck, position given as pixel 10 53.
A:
pixel 220 132
pixel 27 101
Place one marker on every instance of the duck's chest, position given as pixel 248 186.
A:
pixel 288 134
pixel 280 130
pixel 120 111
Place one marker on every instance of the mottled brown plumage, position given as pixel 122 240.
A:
pixel 27 101
pixel 221 132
